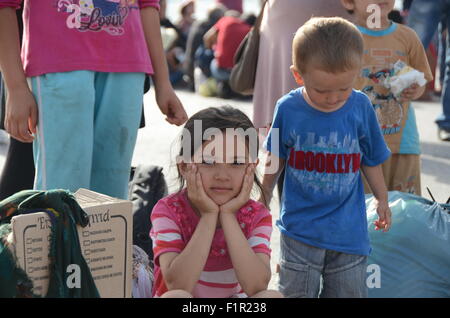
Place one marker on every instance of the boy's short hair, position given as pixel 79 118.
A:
pixel 332 44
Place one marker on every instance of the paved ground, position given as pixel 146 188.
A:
pixel 156 145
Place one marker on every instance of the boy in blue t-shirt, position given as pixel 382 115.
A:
pixel 323 134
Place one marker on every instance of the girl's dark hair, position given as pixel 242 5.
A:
pixel 220 118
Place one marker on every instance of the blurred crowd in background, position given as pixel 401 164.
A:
pixel 200 50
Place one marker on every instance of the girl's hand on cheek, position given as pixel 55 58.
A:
pixel 196 192
pixel 242 198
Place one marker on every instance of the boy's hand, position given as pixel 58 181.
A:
pixel 413 92
pixel 384 221
pixel 242 198
pixel 21 115
pixel 170 105
pixel 196 192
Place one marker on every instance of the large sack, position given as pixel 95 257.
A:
pixel 414 256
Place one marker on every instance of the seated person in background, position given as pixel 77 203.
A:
pixel 224 38
pixel 187 9
pixel 195 42
pixel 174 43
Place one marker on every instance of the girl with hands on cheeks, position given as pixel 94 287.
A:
pixel 198 197
pixel 209 238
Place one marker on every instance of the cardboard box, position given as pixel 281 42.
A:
pixel 106 244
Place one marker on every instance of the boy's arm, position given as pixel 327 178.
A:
pixel 375 179
pixel 168 102
pixel 21 108
pixel 210 38
pixel 273 167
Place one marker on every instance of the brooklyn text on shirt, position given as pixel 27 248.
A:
pixel 325 162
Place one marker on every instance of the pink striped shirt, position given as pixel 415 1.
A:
pixel 74 35
pixel 173 224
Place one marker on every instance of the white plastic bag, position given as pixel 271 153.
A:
pixel 403 77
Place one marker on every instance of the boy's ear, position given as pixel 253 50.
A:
pixel 298 78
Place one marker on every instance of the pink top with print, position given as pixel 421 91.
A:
pixel 95 35
pixel 173 224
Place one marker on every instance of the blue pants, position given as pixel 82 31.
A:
pixel 203 58
pixel 303 266
pixel 424 18
pixel 219 73
pixel 87 130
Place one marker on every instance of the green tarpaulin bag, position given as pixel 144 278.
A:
pixel 413 258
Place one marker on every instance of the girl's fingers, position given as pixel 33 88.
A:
pixel 191 180
pixel 248 183
pixel 198 179
pixel 250 177
pixel 199 183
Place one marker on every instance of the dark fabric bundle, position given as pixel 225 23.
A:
pixel 65 214
pixel 14 282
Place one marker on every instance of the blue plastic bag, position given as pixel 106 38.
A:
pixel 413 258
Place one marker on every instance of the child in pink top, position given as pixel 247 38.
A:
pixel 210 239
pixel 77 91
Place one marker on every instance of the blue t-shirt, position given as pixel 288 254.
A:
pixel 323 201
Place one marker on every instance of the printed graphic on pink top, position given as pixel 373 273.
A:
pixel 97 15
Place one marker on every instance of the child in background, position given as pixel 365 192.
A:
pixel 224 39
pixel 384 45
pixel 324 133
pixel 187 9
pixel 210 239
pixel 85 62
